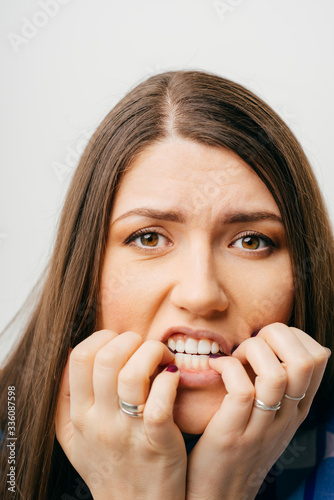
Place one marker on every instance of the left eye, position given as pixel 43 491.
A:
pixel 252 242
pixel 149 240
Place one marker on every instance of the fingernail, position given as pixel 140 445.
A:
pixel 234 348
pixel 172 368
pixel 217 355
pixel 255 333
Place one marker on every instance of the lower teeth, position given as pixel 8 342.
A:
pixel 194 361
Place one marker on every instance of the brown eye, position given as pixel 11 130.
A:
pixel 145 239
pixel 251 242
pixel 149 239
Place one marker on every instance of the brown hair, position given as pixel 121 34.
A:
pixel 198 106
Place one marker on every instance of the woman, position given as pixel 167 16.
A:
pixel 187 306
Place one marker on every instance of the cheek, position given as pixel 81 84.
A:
pixel 113 308
pixel 127 299
pixel 265 297
pixel 274 306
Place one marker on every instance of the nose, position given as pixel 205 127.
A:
pixel 198 287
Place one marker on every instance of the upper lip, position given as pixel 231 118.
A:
pixel 197 334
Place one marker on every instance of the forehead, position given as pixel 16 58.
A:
pixel 183 173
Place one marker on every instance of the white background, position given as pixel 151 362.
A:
pixel 65 65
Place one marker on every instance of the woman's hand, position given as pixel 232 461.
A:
pixel 117 455
pixel 241 442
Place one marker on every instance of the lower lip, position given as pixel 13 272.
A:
pixel 198 378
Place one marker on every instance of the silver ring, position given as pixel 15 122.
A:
pixel 295 399
pixel 262 406
pixel 132 410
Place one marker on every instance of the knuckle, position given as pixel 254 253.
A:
pixel 276 379
pixel 155 419
pixel 321 357
pixel 103 435
pixel 127 378
pixel 131 441
pixel 159 415
pixel 78 420
pixel 245 395
pixel 304 365
pixel 80 355
pixel 106 358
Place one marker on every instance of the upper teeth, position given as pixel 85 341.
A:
pixel 193 346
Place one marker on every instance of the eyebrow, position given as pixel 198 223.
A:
pixel 176 216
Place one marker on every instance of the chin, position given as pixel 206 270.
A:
pixel 193 409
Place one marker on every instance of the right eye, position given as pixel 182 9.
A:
pixel 147 239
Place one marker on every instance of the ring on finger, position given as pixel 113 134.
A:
pixel 132 410
pixel 262 406
pixel 295 399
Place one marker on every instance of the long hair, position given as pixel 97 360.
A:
pixel 189 104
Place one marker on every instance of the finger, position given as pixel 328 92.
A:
pixel 270 379
pixel 235 410
pixel 303 358
pixel 63 421
pixel 109 360
pixel 134 378
pixel 297 360
pixel 81 369
pixel 158 412
pixel 320 357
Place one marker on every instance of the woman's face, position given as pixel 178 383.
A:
pixel 196 257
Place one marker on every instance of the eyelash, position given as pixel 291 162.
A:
pixel 140 232
pixel 266 251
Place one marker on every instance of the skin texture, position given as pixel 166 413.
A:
pixel 201 270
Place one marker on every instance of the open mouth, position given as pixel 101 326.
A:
pixel 193 354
